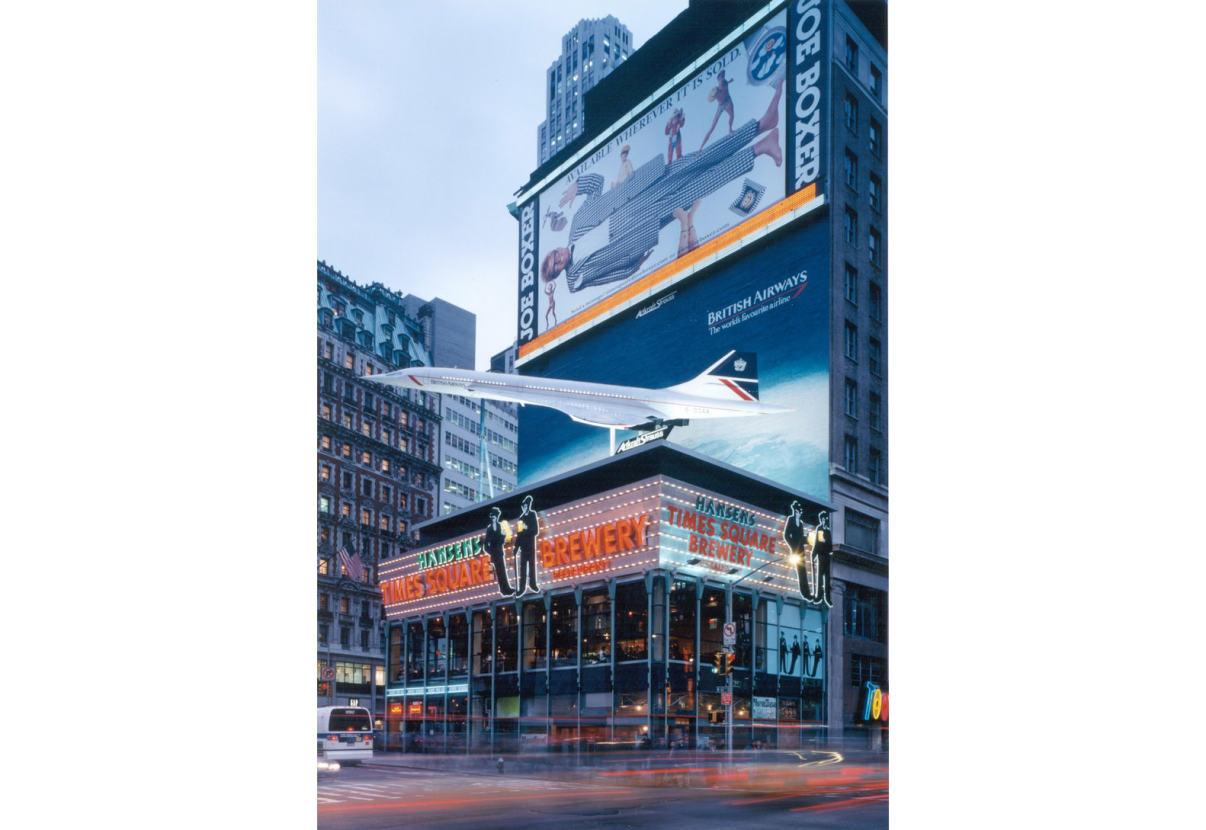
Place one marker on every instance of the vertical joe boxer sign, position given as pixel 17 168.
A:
pixel 527 271
pixel 807 82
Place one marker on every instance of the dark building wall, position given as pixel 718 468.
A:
pixel 454 332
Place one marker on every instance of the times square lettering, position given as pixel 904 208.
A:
pixel 808 93
pixel 727 545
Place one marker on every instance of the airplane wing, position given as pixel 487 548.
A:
pixel 597 413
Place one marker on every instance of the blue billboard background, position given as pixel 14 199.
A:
pixel 773 302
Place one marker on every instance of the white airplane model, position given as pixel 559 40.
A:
pixel 727 389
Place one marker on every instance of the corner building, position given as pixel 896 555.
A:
pixel 639 559
pixel 779 251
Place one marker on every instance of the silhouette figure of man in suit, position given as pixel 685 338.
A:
pixel 525 549
pixel 495 544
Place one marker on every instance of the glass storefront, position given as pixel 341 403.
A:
pixel 620 666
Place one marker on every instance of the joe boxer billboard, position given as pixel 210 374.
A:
pixel 734 148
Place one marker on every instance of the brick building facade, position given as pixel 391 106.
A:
pixel 377 471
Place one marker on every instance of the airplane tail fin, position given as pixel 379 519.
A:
pixel 734 376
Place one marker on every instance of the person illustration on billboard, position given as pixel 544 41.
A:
pixel 795 653
pixel 804 662
pixel 615 231
pixel 674 129
pixel 816 658
pixel 497 535
pixel 782 651
pixel 724 103
pixel 625 169
pixel 525 549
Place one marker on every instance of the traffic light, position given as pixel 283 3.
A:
pixel 723 662
pixel 716 717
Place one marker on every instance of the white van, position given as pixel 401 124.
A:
pixel 345 734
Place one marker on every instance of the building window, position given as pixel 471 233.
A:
pixel 347 481
pixel 364 641
pixel 367 429
pixel 324 634
pixel 851 228
pixel 324 602
pixel 876 303
pixel 851 341
pixel 385 465
pixel 347 450
pixel 345 637
pixel 324 535
pixel 851 398
pixel 873 356
pixel 875 189
pixel 366 487
pixel 385 523
pixel 852 170
pixel 877 83
pixel 852 113
pixel 875 136
pixel 343 605
pixel 366 517
pixel 349 362
pixel 345 510
pixel 864 669
pixel 386 435
pixel 366 458
pixel 863 611
pixel 323 566
pixel 328 383
pixel 326 442
pixel 851 283
pixel 862 532
pixel 347 420
pixel 873 469
pixel 326 411
pixel 852 56
pixel 324 504
pixel 873 411
pixel 851 454
pixel 876 247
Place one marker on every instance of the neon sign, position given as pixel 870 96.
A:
pixel 876 705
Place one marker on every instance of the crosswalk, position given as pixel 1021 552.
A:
pixel 401 784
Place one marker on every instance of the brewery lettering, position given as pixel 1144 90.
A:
pixel 599 541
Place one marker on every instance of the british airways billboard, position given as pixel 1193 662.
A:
pixel 732 150
pixel 772 302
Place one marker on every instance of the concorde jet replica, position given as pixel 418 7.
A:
pixel 727 389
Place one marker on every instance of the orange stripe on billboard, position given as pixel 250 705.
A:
pixel 682 263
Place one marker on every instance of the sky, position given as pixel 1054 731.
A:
pixel 427 119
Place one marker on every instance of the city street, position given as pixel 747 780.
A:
pixel 663 793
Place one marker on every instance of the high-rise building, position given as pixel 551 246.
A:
pixel 450 336
pixel 377 474
pixel 780 111
pixel 589 53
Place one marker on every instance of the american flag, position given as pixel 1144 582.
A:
pixel 352 563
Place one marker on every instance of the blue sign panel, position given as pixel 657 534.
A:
pixel 774 303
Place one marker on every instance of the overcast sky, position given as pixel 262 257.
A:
pixel 427 119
